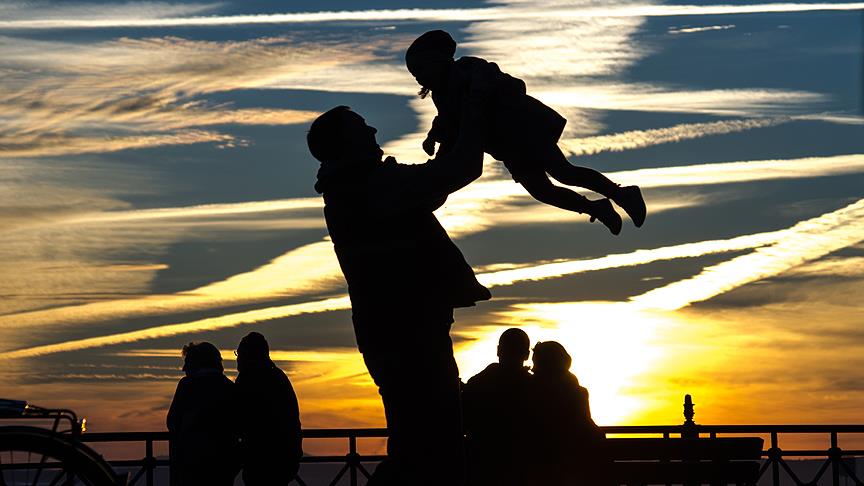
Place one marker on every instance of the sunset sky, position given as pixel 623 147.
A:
pixel 156 189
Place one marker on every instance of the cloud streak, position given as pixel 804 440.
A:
pixel 692 30
pixel 774 253
pixel 59 144
pixel 67 98
pixel 438 15
pixel 720 102
pixel 636 139
pixel 210 324
pixel 806 241
pixel 492 279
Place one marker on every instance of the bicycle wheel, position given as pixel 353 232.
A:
pixel 30 456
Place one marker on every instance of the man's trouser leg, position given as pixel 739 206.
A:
pixel 419 384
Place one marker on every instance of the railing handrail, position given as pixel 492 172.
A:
pixel 345 433
pixel 353 462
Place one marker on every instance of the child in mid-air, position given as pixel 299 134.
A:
pixel 520 131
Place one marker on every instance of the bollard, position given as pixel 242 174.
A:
pixel 689 427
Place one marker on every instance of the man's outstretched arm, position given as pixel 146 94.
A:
pixel 462 164
pixel 430 183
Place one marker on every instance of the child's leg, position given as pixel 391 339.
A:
pixel 629 197
pixel 557 165
pixel 541 188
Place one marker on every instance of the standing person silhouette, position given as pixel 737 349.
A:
pixel 204 440
pixel 520 131
pixel 566 440
pixel 496 404
pixel 405 276
pixel 270 435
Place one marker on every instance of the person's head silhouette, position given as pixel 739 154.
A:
pixel 550 358
pixel 253 352
pixel 341 136
pixel 513 347
pixel 429 58
pixel 201 356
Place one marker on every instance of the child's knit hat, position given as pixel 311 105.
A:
pixel 435 45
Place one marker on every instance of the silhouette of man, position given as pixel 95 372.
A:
pixel 405 276
pixel 566 439
pixel 497 415
pixel 201 421
pixel 270 417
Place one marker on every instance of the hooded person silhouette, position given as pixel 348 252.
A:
pixel 566 441
pixel 519 130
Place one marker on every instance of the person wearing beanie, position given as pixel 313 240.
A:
pixel 271 441
pixel 519 130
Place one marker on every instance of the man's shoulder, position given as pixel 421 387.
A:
pixel 490 373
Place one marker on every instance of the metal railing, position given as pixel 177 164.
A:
pixel 352 462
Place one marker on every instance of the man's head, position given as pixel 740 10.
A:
pixel 550 358
pixel 513 347
pixel 340 136
pixel 253 352
pixel 201 356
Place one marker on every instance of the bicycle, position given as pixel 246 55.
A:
pixel 38 456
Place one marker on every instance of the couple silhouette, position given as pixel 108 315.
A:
pixel 405 276
pixel 529 427
pixel 218 427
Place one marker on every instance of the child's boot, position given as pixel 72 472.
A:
pixel 602 209
pixel 630 199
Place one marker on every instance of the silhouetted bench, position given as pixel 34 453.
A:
pixel 685 461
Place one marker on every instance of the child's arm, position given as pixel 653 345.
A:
pixel 434 135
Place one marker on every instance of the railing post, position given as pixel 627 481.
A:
pixel 353 458
pixel 150 461
pixel 774 455
pixel 835 456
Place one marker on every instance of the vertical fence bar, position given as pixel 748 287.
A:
pixel 151 462
pixel 835 457
pixel 775 460
pixel 352 459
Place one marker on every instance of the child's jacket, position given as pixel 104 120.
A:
pixel 515 122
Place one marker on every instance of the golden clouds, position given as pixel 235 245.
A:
pixel 58 144
pixel 63 98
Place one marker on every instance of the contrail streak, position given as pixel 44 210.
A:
pixel 209 324
pixel 440 15
pixel 806 241
pixel 775 252
pixel 619 142
pixel 492 279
